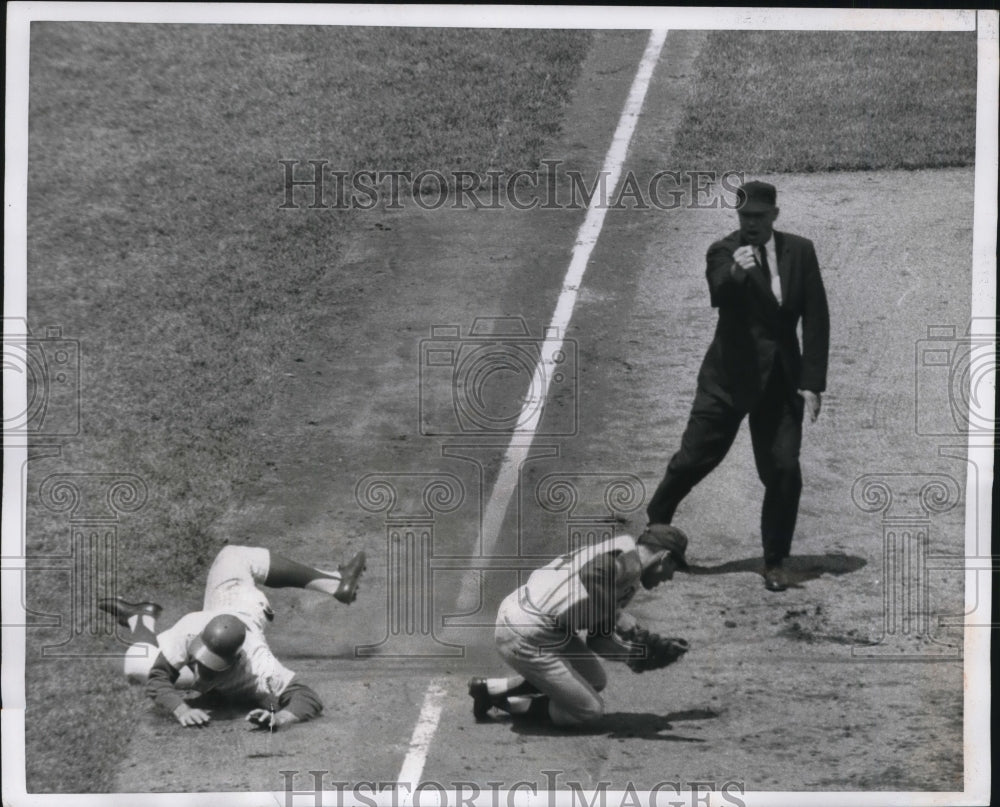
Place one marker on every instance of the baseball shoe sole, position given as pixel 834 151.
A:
pixel 122 610
pixel 350 574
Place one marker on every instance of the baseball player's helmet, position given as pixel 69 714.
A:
pixel 220 642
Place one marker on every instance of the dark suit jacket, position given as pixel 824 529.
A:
pixel 753 331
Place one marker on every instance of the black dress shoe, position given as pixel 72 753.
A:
pixel 122 611
pixel 775 579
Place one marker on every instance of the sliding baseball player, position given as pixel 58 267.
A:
pixel 221 651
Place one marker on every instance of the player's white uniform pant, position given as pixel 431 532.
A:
pixel 232 587
pixel 232 582
pixel 562 667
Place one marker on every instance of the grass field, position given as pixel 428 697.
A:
pixel 155 239
pixel 782 101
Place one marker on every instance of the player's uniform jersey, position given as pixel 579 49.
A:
pixel 584 589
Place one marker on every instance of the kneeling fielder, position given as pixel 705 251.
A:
pixel 222 649
pixel 560 674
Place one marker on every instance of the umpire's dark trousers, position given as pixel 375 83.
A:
pixel 776 432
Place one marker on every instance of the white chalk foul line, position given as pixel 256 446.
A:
pixel 423 733
pixel 520 444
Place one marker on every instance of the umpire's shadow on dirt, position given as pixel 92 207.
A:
pixel 798 568
pixel 622 725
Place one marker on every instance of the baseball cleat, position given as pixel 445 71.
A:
pixel 350 574
pixel 482 701
pixel 122 611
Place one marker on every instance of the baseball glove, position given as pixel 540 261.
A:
pixel 650 651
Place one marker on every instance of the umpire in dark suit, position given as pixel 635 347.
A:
pixel 763 283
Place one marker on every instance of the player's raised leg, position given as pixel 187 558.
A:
pixel 239 568
pixel 139 619
pixel 342 584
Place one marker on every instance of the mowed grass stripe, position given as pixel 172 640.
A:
pixel 155 239
pixel 794 101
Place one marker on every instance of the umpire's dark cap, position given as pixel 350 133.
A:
pixel 756 197
pixel 665 536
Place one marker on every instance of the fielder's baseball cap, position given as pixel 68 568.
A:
pixel 666 536
pixel 756 197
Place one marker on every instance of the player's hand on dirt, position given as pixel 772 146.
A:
pixel 189 717
pixel 744 257
pixel 813 402
pixel 266 719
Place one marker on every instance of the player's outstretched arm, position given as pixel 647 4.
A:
pixel 160 687
pixel 297 703
pixel 266 719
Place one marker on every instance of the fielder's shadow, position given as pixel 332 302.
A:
pixel 622 725
pixel 798 568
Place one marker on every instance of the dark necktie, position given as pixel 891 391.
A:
pixel 767 274
pixel 763 263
